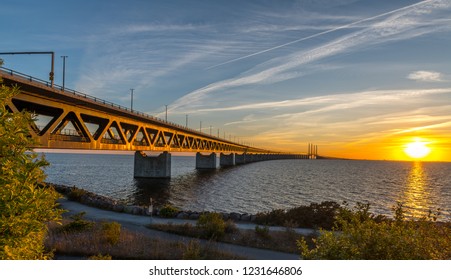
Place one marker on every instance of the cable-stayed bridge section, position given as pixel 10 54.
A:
pixel 67 119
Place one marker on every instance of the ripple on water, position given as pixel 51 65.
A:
pixel 262 186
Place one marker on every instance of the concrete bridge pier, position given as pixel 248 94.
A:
pixel 152 167
pixel 227 160
pixel 206 161
pixel 240 159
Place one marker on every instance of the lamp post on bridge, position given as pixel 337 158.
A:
pixel 166 118
pixel 64 70
pixel 131 105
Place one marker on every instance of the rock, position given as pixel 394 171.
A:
pixel 194 216
pixel 235 216
pixel 128 209
pixel 118 208
pixel 225 216
pixel 182 215
pixel 136 210
pixel 245 218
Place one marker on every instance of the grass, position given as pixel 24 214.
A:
pixel 261 237
pixel 105 241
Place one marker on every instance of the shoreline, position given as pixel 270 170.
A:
pixel 91 199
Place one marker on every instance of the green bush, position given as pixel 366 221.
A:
pixel 212 225
pixel 75 194
pixel 169 211
pixel 112 232
pixel 262 232
pixel 78 224
pixel 315 215
pixel 358 234
pixel 25 207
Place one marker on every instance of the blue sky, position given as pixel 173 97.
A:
pixel 356 77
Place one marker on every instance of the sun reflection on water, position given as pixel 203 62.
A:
pixel 417 197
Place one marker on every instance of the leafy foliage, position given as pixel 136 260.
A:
pixel 25 206
pixel 358 234
pixel 168 211
pixel 112 232
pixel 78 224
pixel 76 194
pixel 262 232
pixel 212 225
pixel 315 215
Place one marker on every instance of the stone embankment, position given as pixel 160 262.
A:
pixel 102 202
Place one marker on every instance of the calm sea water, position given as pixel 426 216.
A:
pixel 263 186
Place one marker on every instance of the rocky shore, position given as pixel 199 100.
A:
pixel 102 202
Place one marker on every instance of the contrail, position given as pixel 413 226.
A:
pixel 321 33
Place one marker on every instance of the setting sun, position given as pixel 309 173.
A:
pixel 417 149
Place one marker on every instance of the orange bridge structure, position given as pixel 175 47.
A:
pixel 67 119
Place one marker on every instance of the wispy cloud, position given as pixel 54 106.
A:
pixel 334 29
pixel 400 24
pixel 376 115
pixel 426 76
pixel 337 101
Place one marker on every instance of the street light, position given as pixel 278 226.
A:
pixel 131 105
pixel 166 113
pixel 186 121
pixel 64 69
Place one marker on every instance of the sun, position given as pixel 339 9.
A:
pixel 417 149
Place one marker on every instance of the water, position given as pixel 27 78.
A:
pixel 263 186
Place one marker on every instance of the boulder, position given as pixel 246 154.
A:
pixel 246 218
pixel 194 216
pixel 182 215
pixel 225 216
pixel 235 216
pixel 118 208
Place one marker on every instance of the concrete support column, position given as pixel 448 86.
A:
pixel 227 160
pixel 206 161
pixel 152 167
pixel 240 159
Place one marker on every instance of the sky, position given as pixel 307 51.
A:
pixel 359 78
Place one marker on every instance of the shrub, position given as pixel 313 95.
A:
pixel 212 225
pixel 169 211
pixel 361 235
pixel 78 224
pixel 192 251
pixel 315 215
pixel 76 194
pixel 262 232
pixel 111 232
pixel 100 257
pixel 25 208
pixel 230 227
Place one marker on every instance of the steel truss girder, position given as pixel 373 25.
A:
pixel 82 123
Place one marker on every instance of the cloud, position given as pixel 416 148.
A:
pixel 426 76
pixel 400 24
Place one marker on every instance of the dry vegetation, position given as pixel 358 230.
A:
pixel 88 240
pixel 261 237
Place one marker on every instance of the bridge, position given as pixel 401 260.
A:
pixel 68 119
